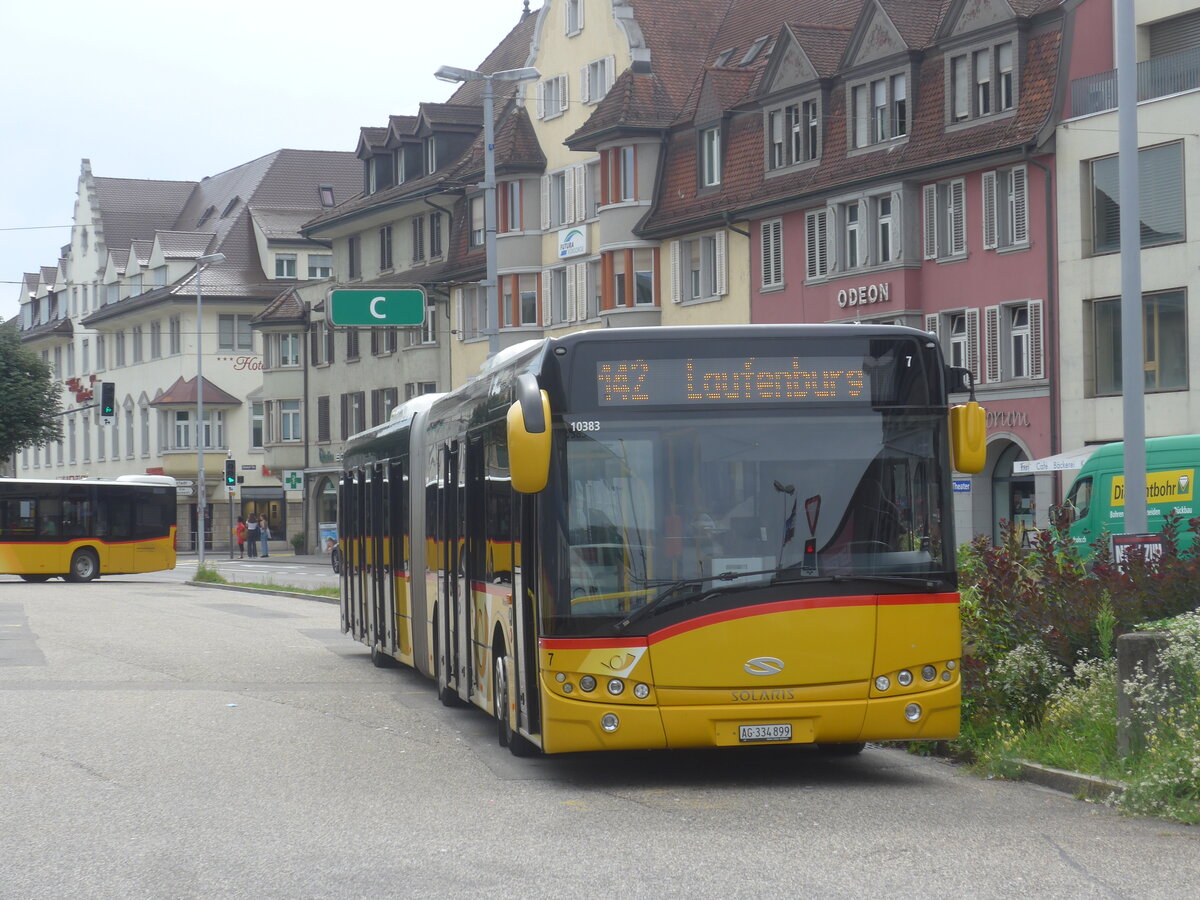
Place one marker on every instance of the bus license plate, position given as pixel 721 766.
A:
pixel 752 733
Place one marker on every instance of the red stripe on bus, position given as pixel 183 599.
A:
pixel 746 612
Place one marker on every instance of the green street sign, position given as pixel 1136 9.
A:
pixel 404 306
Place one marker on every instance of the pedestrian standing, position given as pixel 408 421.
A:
pixel 265 531
pixel 252 535
pixel 239 531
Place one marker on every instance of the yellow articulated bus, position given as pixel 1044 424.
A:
pixel 82 529
pixel 674 537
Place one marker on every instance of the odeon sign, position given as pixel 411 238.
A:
pixel 864 294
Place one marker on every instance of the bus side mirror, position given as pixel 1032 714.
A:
pixel 968 437
pixel 529 436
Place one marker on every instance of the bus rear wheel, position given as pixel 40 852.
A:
pixel 84 566
pixel 36 579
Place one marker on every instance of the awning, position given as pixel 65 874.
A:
pixel 1068 461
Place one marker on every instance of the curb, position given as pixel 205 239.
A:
pixel 264 591
pixel 1087 787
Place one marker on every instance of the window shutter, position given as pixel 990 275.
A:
pixel 973 343
pixel 1037 352
pixel 931 323
pixel 1020 192
pixel 722 270
pixel 569 194
pixel 585 85
pixel 563 100
pixel 958 230
pixel 991 343
pixel 894 227
pixel 581 210
pixel 539 92
pixel 864 216
pixel 571 300
pixel 676 274
pixel 459 313
pixel 831 226
pixel 545 203
pixel 817 243
pixel 581 292
pixel 989 211
pixel 929 203
pixel 547 296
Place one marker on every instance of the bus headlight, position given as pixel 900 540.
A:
pixel 904 678
pixel 616 686
pixel 587 684
pixel 882 683
pixel 929 672
pixel 912 712
pixel 641 691
pixel 609 722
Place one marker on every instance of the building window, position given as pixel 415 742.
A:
pixel 435 235
pixel 175 331
pixel 138 339
pixel 385 248
pixel 354 414
pixel 417 388
pixel 558 198
pixel 793 134
pixel 945 234
pixel 383 341
pixel 710 157
pixel 1164 343
pixel 285 265
pixel 289 421
pixel 325 192
pixel 472 312
pixel 156 340
pixel 596 79
pixel 351 344
pixel 509 205
pixel 1013 341
pixel 981 82
pixel 816 241
pixel 257 418
pixel 879 109
pixel 552 97
pixel 418 239
pixel 354 254
pixel 119 348
pixel 289 349
pixel 699 268
pixel 574 17
pixel 1005 208
pixel 378 173
pixel 429 152
pixel 1161 200
pixel 320 265
pixel 233 333
pixel 478 221
pixel 383 401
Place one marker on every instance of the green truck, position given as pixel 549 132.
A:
pixel 1096 501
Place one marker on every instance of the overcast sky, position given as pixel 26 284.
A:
pixel 179 90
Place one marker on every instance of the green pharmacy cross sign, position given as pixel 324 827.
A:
pixel 397 306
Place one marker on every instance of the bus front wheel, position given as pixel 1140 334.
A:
pixel 84 566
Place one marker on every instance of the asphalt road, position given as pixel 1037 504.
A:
pixel 163 740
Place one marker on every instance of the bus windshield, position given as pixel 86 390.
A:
pixel 740 501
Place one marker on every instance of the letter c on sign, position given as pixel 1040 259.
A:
pixel 375 314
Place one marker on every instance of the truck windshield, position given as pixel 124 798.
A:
pixel 745 498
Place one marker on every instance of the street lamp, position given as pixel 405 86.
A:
pixel 202 262
pixel 453 74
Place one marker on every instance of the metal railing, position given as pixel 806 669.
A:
pixel 1157 77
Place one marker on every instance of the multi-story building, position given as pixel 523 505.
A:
pixel 1168 53
pixel 122 306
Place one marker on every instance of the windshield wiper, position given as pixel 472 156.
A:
pixel 675 586
pixel 902 580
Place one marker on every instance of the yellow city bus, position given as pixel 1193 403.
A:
pixel 674 537
pixel 82 529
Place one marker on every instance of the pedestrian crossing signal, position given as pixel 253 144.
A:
pixel 108 406
pixel 231 473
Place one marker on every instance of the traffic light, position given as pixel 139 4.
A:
pixel 108 405
pixel 230 473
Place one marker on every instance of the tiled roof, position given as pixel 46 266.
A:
pixel 745 189
pixel 49 274
pixel 286 308
pixel 516 144
pixel 134 208
pixel 183 393
pixel 184 244
pixel 513 52
pixel 634 103
pixel 140 250
pixel 280 224
pixel 120 258
pixel 435 114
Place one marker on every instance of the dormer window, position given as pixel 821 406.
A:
pixel 754 51
pixel 724 56
pixel 429 149
pixel 325 192
pixel 879 110
pixel 229 207
pixel 793 133
pixel 206 216
pixel 379 173
pixel 981 82
pixel 710 157
pixel 574 17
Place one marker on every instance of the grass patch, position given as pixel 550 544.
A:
pixel 209 575
pixel 271 586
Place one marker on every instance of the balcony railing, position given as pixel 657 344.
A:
pixel 1157 77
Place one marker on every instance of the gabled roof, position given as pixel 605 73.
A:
pixel 183 393
pixel 516 146
pixel 184 244
pixel 285 309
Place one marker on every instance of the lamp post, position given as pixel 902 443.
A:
pixel 453 74
pixel 202 262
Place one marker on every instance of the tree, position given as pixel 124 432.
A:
pixel 29 397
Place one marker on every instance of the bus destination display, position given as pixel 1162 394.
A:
pixel 730 380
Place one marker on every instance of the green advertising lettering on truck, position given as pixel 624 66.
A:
pixel 1096 502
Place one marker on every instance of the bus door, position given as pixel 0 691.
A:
pixel 476 586
pixel 454 633
pixel 357 556
pixel 525 653
pixel 381 600
pixel 396 509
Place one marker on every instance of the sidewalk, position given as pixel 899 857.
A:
pixel 277 556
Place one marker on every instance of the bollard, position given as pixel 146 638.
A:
pixel 1137 652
